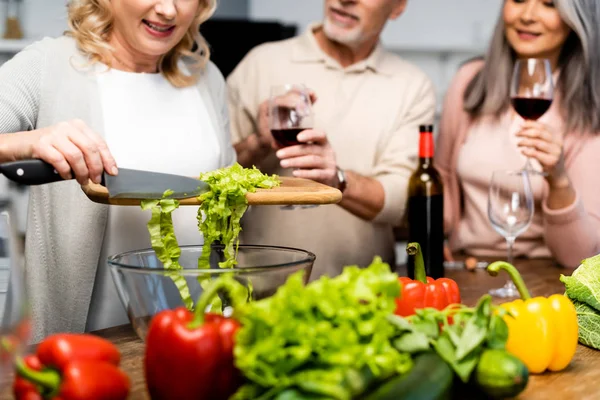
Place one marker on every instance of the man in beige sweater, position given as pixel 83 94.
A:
pixel 369 105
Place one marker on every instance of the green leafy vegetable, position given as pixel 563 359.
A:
pixel 584 284
pixel 459 343
pixel 330 338
pixel 223 207
pixel 588 320
pixel 583 288
pixel 164 242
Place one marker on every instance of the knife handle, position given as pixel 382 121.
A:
pixel 30 172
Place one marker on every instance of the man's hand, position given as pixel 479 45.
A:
pixel 314 158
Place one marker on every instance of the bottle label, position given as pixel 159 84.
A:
pixel 426 145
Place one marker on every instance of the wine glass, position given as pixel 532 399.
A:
pixel 14 307
pixel 510 210
pixel 531 92
pixel 290 112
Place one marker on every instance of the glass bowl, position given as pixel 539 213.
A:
pixel 146 288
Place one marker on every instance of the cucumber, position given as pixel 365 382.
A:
pixel 500 374
pixel 429 379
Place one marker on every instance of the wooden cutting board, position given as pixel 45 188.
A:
pixel 291 191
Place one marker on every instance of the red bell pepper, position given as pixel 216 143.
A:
pixel 71 367
pixel 424 291
pixel 189 355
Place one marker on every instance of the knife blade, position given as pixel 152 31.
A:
pixel 128 184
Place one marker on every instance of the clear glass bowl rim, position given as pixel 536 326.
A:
pixel 309 258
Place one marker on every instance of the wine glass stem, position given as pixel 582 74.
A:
pixel 510 241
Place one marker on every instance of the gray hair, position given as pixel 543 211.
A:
pixel 488 93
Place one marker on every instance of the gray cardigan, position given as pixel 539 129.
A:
pixel 47 83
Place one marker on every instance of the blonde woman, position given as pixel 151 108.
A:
pixel 480 133
pixel 121 87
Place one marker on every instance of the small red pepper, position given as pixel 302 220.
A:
pixel 24 389
pixel 190 355
pixel 71 367
pixel 424 291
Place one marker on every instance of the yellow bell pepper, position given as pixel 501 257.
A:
pixel 542 332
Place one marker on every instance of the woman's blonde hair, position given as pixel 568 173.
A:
pixel 91 24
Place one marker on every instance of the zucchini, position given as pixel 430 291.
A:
pixel 500 374
pixel 429 379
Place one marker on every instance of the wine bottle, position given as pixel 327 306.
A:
pixel 425 209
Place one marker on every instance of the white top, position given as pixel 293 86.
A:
pixel 149 125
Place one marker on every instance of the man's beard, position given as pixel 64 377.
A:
pixel 349 38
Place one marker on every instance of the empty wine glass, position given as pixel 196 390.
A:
pixel 290 112
pixel 531 92
pixel 510 210
pixel 14 308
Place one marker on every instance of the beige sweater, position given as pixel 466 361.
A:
pixel 467 154
pixel 371 112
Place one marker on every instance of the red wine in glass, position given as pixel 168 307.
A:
pixel 286 137
pixel 290 112
pixel 531 107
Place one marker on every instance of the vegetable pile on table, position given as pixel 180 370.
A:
pixel 334 338
pixel 365 334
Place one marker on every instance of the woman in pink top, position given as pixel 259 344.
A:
pixel 480 133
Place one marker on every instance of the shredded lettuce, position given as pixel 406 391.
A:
pixel 219 218
pixel 224 205
pixel 320 338
pixel 164 242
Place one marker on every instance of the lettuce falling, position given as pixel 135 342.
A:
pixel 218 219
pixel 224 205
pixel 164 242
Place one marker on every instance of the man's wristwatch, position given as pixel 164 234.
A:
pixel 341 179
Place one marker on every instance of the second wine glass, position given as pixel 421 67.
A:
pixel 510 211
pixel 532 91
pixel 15 323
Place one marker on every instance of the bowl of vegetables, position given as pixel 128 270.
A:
pixel 147 286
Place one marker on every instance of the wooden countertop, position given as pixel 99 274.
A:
pixel 578 381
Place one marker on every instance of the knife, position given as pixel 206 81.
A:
pixel 129 183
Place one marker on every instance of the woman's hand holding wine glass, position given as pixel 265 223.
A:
pixel 532 92
pixel 540 142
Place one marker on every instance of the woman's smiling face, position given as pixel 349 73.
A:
pixel 534 28
pixel 153 27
